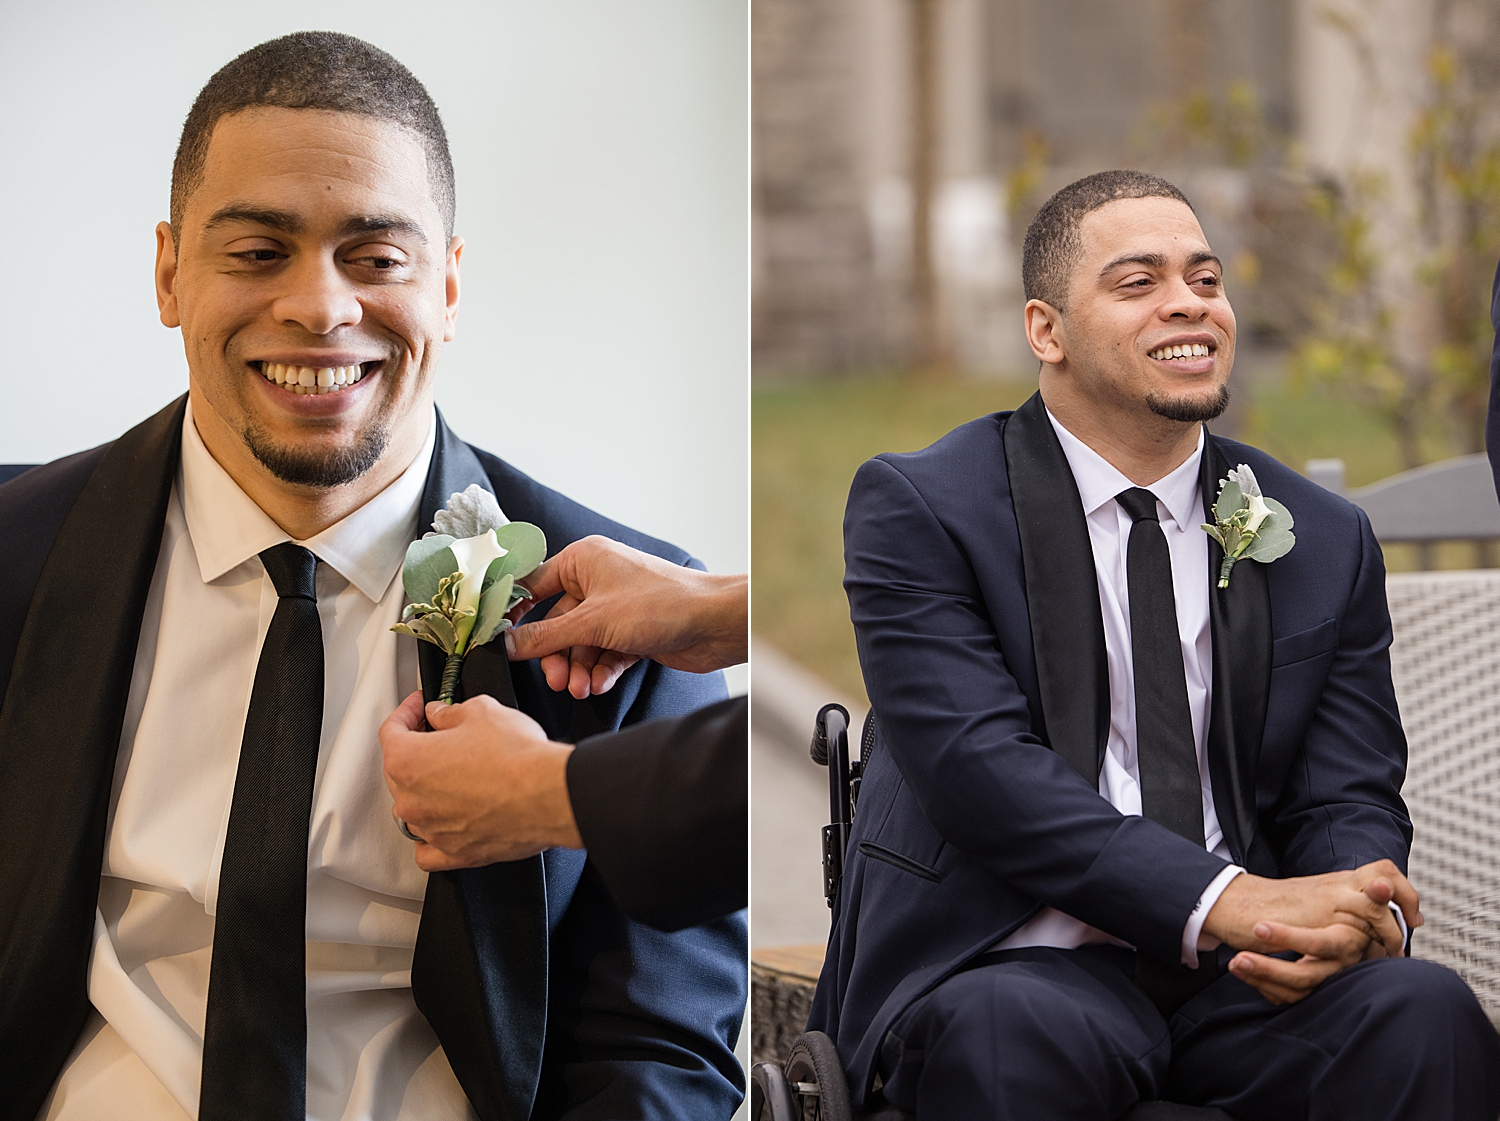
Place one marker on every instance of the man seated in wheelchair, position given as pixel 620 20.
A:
pixel 1132 828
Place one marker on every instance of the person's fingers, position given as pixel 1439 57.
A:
pixel 611 665
pixel 1338 942
pixel 430 858
pixel 1402 893
pixel 406 718
pixel 544 580
pixel 555 670
pixel 1360 908
pixel 561 629
pixel 396 739
pixel 1282 982
pixel 442 716
pixel 582 660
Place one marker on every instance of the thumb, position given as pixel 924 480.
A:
pixel 441 715
pixel 546 636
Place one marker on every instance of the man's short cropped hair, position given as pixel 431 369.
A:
pixel 315 70
pixel 1052 242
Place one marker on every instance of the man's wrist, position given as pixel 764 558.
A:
pixel 1194 937
pixel 730 604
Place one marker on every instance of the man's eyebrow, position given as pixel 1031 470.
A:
pixel 283 220
pixel 288 223
pixel 382 223
pixel 1157 261
pixel 1150 260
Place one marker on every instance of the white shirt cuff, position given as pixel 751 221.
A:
pixel 1401 922
pixel 1193 938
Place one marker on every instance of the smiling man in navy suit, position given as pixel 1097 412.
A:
pixel 206 908
pixel 1128 831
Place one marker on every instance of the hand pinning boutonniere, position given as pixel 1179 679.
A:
pixel 462 578
pixel 1247 524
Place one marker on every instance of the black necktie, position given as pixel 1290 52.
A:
pixel 1171 789
pixel 1166 756
pixel 255 1038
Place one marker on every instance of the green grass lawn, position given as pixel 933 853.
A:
pixel 808 438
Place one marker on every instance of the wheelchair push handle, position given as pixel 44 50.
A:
pixel 830 748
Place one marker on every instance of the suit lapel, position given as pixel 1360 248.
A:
pixel 479 972
pixel 1062 591
pixel 1240 623
pixel 59 737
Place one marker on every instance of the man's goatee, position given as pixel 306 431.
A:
pixel 324 470
pixel 1189 410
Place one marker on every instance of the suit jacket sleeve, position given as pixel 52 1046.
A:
pixel 643 1023
pixel 960 732
pixel 661 807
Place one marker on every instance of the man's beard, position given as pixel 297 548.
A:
pixel 323 470
pixel 1189 410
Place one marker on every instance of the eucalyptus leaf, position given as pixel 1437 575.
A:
pixel 492 608
pixel 1275 538
pixel 429 628
pixel 525 546
pixel 428 560
pixel 1231 498
pixel 1278 511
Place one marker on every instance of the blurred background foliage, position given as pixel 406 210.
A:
pixel 1343 156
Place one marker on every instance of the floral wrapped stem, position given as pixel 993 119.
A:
pixel 451 669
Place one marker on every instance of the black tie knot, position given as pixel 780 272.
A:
pixel 1139 503
pixel 293 570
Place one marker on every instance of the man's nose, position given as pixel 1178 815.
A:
pixel 1183 301
pixel 318 297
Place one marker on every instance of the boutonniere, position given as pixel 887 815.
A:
pixel 1247 524
pixel 462 578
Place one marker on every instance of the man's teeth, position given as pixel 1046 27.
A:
pixel 307 379
pixel 1187 350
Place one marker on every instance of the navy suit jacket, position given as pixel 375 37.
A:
pixel 548 1001
pixel 976 610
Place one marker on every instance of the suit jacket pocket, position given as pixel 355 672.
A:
pixel 895 859
pixel 1299 647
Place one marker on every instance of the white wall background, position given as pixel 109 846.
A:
pixel 600 148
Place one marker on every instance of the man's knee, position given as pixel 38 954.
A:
pixel 1010 1009
pixel 1418 994
pixel 995 1039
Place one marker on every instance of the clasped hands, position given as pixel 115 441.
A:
pixel 1333 921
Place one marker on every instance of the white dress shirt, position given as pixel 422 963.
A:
pixel 1179 504
pixel 371 1055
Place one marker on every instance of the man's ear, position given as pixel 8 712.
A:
pixel 166 276
pixel 1044 331
pixel 455 251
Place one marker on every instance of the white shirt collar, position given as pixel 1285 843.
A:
pixel 227 528
pixel 1099 480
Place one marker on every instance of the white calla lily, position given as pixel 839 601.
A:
pixel 1259 512
pixel 1254 500
pixel 474 555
